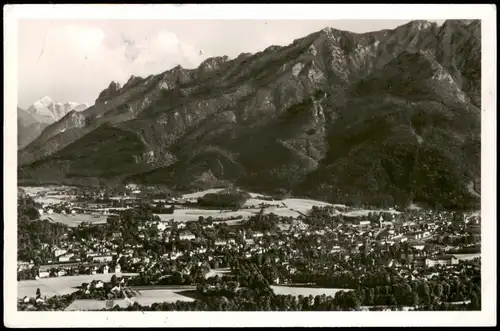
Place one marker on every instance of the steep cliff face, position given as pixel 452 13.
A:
pixel 294 117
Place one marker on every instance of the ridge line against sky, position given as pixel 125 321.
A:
pixel 74 60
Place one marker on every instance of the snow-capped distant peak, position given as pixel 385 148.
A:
pixel 48 111
pixel 43 102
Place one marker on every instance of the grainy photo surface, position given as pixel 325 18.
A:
pixel 249 165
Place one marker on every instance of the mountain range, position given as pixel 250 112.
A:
pixel 382 118
pixel 43 112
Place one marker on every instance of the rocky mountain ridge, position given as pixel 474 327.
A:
pixel 271 119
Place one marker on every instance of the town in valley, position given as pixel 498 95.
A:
pixel 144 248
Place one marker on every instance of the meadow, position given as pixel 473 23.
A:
pixel 60 285
pixel 291 207
pixel 75 220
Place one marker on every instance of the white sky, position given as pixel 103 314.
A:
pixel 73 60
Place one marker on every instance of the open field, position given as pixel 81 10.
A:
pixel 59 285
pixel 90 304
pixel 145 298
pixel 304 205
pixel 305 290
pixel 287 207
pixel 75 220
pixel 280 211
pixel 196 195
pixel 48 194
pixel 255 203
pixel 41 189
pixel 54 199
pixel 188 215
pixel 291 207
pixel 148 297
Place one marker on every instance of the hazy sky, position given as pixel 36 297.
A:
pixel 73 60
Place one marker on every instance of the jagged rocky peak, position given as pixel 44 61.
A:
pixel 213 63
pixel 243 55
pixel 178 68
pixel 110 91
pixel 175 76
pixel 114 86
pixel 272 48
pixel 132 81
pixel 133 77
pixel 333 33
pixel 183 75
pixel 216 59
pixel 420 24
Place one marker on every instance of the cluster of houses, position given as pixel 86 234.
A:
pixel 346 237
pixel 415 229
pixel 63 269
pixel 98 258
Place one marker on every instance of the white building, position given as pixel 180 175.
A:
pixel 187 236
pixel 162 226
pixel 65 258
pixel 419 247
pixel 364 223
pixel 103 258
pixel 59 251
pixel 175 255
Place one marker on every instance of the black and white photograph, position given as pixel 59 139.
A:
pixel 217 158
